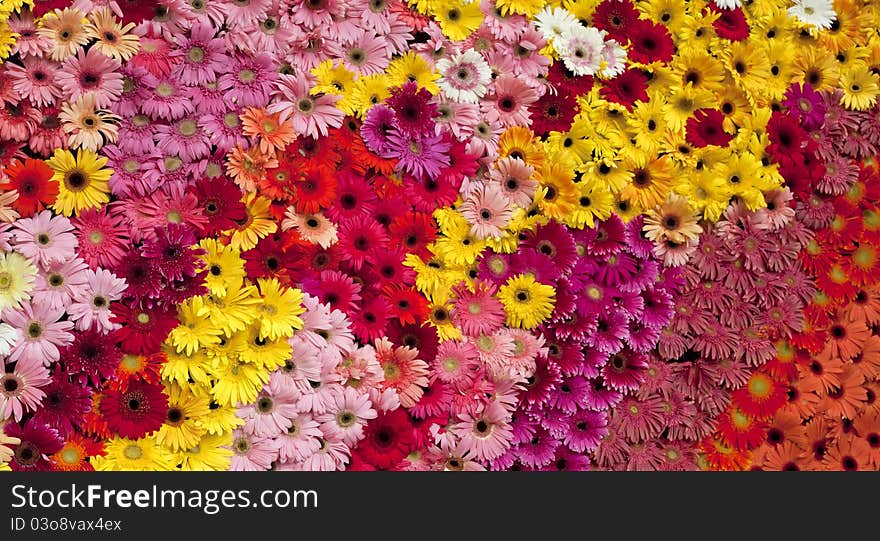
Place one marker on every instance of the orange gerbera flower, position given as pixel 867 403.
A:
pixel 849 454
pixel 783 457
pixel 75 454
pixel 822 373
pixel 93 423
pixel 865 306
pixel 720 456
pixel 33 180
pixel 802 399
pixel 272 133
pixel 867 361
pixel 248 167
pixel 846 338
pixel 277 183
pixel 786 428
pixel 846 399
pixel 760 397
pixel 783 366
pixel 817 439
pixel 837 283
pixel 867 427
pixel 315 190
pixel 363 159
pixel 873 391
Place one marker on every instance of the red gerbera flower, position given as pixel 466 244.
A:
pixel 723 457
pixel 741 430
pixel 461 164
pixel 706 127
pixel 370 321
pixel 761 397
pixel 335 288
pixel 91 357
pixel 565 81
pixel 627 88
pixel 33 180
pixel 407 304
pixel 321 259
pixel 270 258
pixel 732 24
pixel 143 328
pixel 386 267
pixel 786 135
pixel 307 153
pixel 649 42
pixel 220 200
pixel 65 403
pixel 354 197
pixel 315 190
pixel 616 17
pixel 552 112
pixel 413 231
pixel 135 412
pixel 429 194
pixel 388 439
pixel 38 441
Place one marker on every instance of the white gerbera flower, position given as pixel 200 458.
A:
pixel 553 22
pixel 728 4
pixel 464 77
pixel 613 60
pixel 581 49
pixel 819 13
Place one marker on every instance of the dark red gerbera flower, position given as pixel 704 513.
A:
pixel 173 253
pixel 565 81
pixel 270 258
pixel 412 109
pixel 385 267
pixel 786 135
pixel 221 203
pixel 38 441
pixel 141 276
pixel 650 42
pixel 91 357
pixel 416 336
pixel 359 237
pixel 616 17
pixel 143 329
pixel 388 439
pixel 65 403
pixel 627 88
pixel 732 24
pixel 136 412
pixel 553 112
pixel 706 127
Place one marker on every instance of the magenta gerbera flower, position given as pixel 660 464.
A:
pixel 173 252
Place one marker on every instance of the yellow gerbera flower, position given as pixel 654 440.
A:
pixel 279 310
pixel 526 301
pixel 82 181
pixel 17 276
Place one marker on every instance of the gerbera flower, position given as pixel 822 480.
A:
pixel 387 439
pixel 310 115
pixel 91 304
pixel 22 390
pixel 706 128
pixel 464 77
pixel 82 181
pixel 860 87
pixel 32 180
pixel 136 412
pixel 627 88
pixel 508 104
pixel 581 49
pixel 65 404
pixel 39 333
pixel 488 211
pixel 817 13
pixel 45 239
pixel 526 301
pixel 36 443
pixel 174 251
pixel 674 220
pixel 101 236
pixel 89 129
pixel 124 454
pixel 91 74
pixel 112 38
pixel 35 81
pixel 347 416
pixel 649 42
pixel 65 30
pixel 273 132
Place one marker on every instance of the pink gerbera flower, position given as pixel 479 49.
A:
pixel 365 54
pixel 20 390
pixel 456 362
pixel 168 100
pixel 251 452
pixel 479 311
pixel 202 55
pixel 403 371
pixel 45 238
pixel 91 73
pixel 347 416
pixel 39 333
pixel 271 413
pixel 91 304
pixel 35 81
pixel 514 176
pixel 248 79
pixel 301 440
pixel 486 435
pixel 508 105
pixel 102 237
pixel 59 281
pixel 421 157
pixel 311 115
pixel 488 211
pixel 184 138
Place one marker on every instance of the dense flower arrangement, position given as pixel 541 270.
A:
pixel 439 235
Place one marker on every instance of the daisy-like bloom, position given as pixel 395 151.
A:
pixel 860 87
pixel 91 303
pixel 21 390
pixel 347 416
pixel 124 454
pixel 508 105
pixel 403 371
pixel 88 127
pixel 807 104
pixel 314 228
pixel 82 181
pixel 673 220
pixel 6 445
pixel 39 333
pixel 66 31
pixel 818 13
pixel 36 443
pixel 279 310
pixel 311 115
pixel 271 413
pixel 479 311
pixel 488 211
pixel 526 301
pixel 45 238
pixel 56 284
pixel 35 81
pixel 581 49
pixel 515 178
pixel 201 55
pixel 32 180
pixel 273 132
pixel 91 74
pixel 486 435
pixel 102 237
pixel 17 276
pixel 135 412
pixel 422 157
pixel 111 38
pixel 464 77
pixel 553 22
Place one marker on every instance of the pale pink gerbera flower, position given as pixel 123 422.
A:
pixel 311 115
pixel 252 453
pixel 20 390
pixel 57 283
pixel 35 80
pixel 38 333
pixel 313 228
pixel 365 54
pixel 332 455
pixel 201 55
pixel 30 42
pixel 486 435
pixel 456 362
pixel 271 413
pixel 514 176
pixel 301 440
pixel 91 73
pixel 495 351
pixel 45 238
pixel 509 103
pixel 403 371
pixel 347 416
pixel 245 12
pixel 488 211
pixel 479 311
pixel 339 335
pixel 91 304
